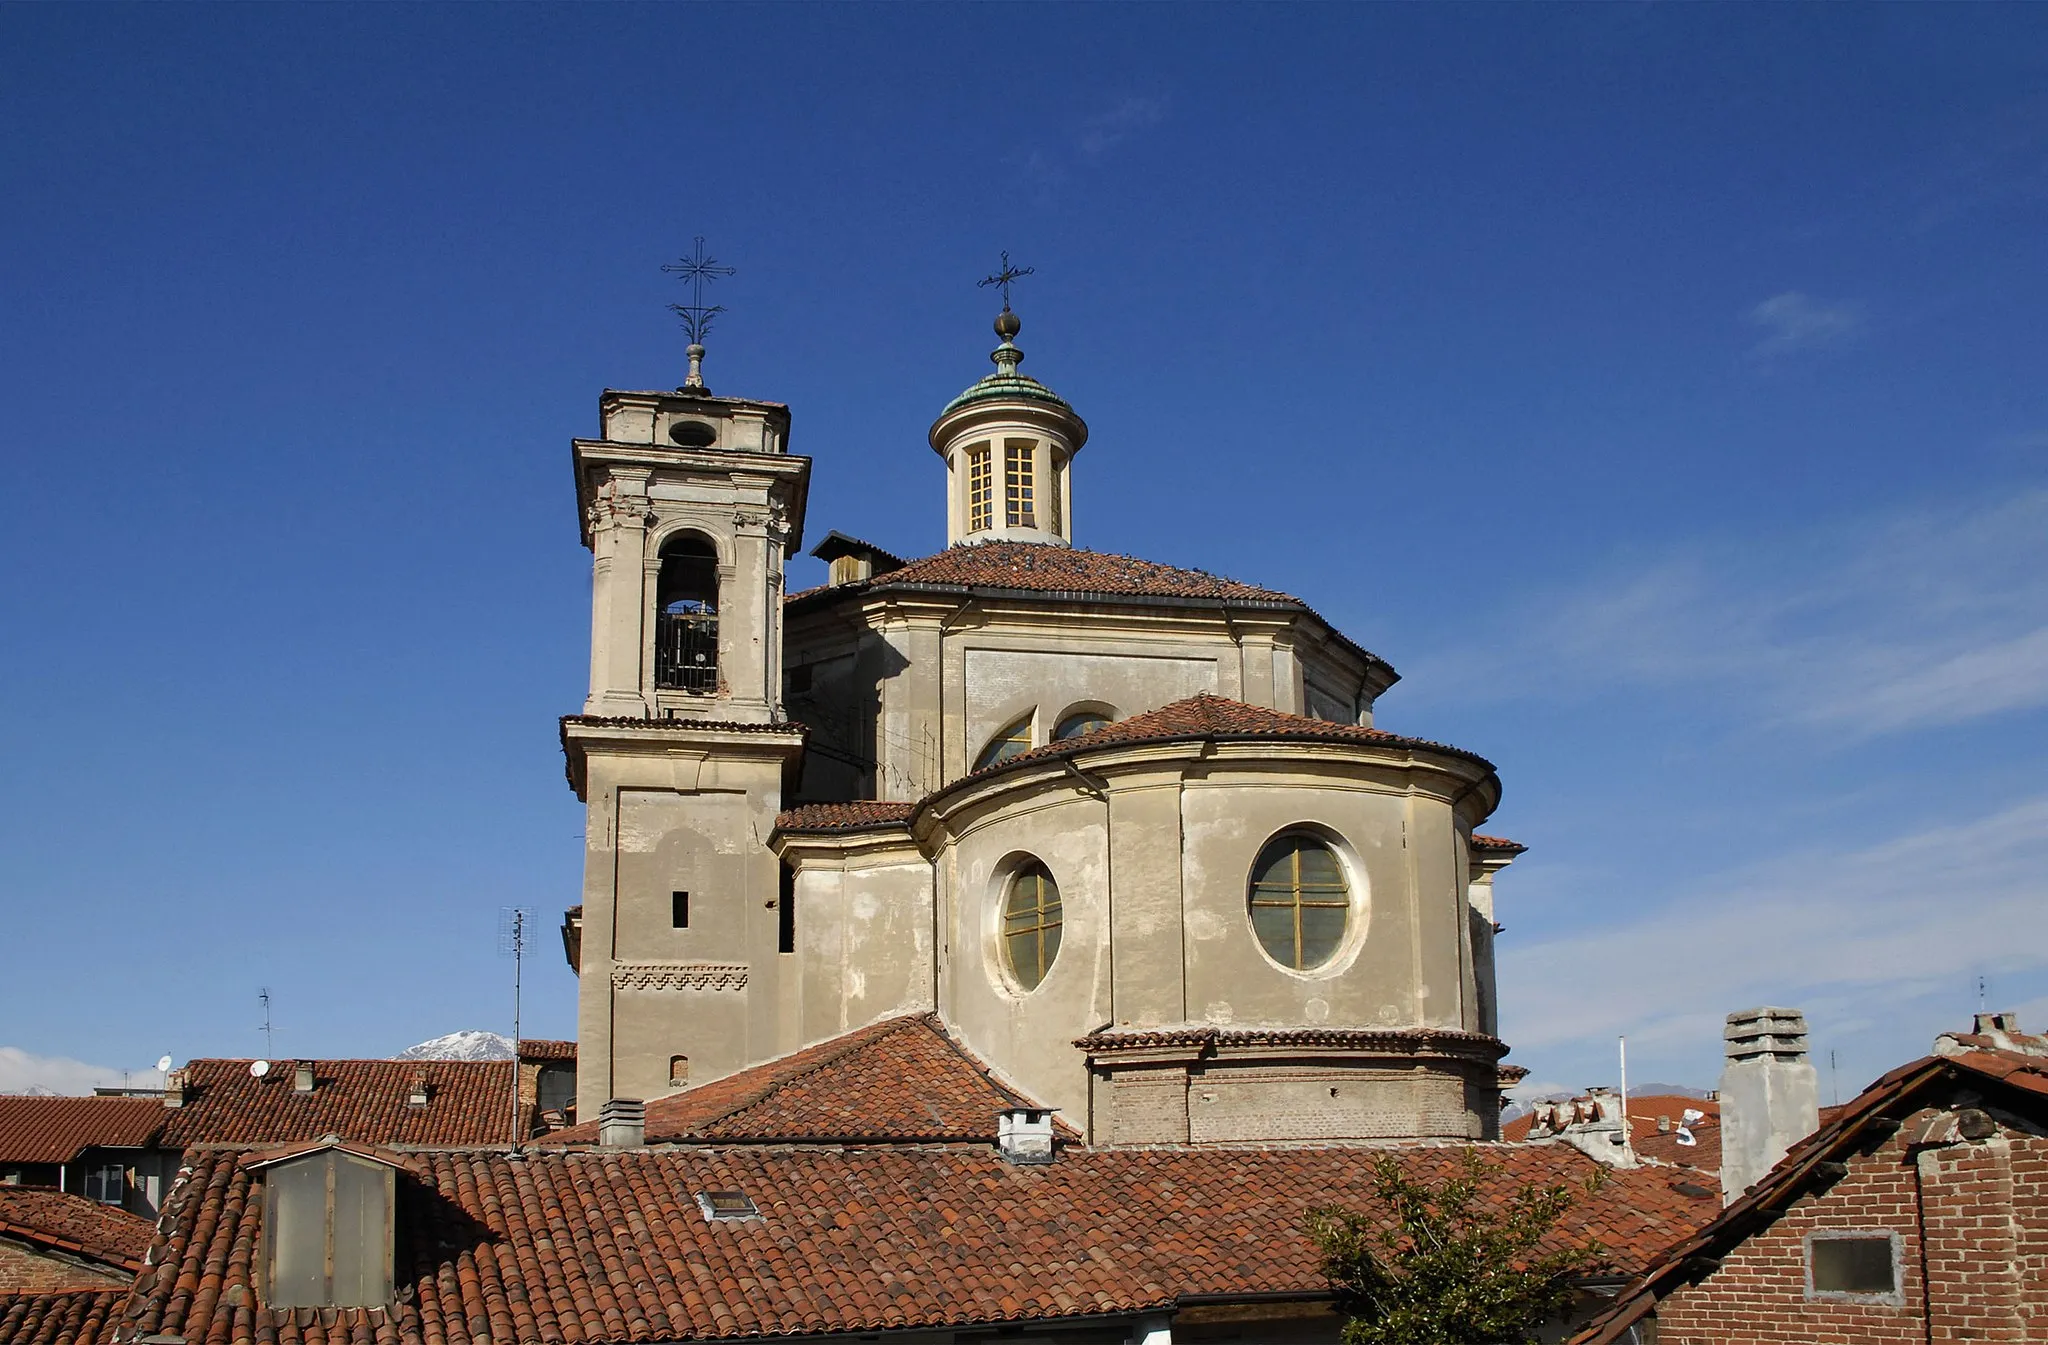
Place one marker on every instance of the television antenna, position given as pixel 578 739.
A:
pixel 512 923
pixel 269 1032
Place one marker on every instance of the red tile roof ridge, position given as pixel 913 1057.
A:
pixel 1480 842
pixel 36 1128
pixel 849 815
pixel 1207 716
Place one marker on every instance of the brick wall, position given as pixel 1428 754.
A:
pixel 1974 1214
pixel 23 1269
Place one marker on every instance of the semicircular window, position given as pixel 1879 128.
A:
pixel 1300 902
pixel 1012 741
pixel 1031 924
pixel 1080 722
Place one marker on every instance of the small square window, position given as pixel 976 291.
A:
pixel 107 1183
pixel 727 1205
pixel 679 909
pixel 1857 1265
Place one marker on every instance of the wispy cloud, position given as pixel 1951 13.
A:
pixel 1851 937
pixel 1793 322
pixel 26 1072
pixel 1102 133
pixel 1879 625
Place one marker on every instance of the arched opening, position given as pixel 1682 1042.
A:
pixel 679 1071
pixel 1031 924
pixel 686 616
pixel 1084 719
pixel 1012 741
pixel 1300 902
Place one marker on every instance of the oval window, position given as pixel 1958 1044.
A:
pixel 1300 902
pixel 1080 722
pixel 1012 741
pixel 1031 924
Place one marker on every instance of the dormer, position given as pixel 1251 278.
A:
pixel 1008 442
pixel 851 560
pixel 329 1215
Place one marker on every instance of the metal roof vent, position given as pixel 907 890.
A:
pixel 727 1205
pixel 622 1123
pixel 302 1077
pixel 1024 1134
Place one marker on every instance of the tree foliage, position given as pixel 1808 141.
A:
pixel 1472 1260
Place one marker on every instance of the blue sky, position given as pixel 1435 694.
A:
pixel 1659 388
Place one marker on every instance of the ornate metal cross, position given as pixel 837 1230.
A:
pixel 694 270
pixel 1005 277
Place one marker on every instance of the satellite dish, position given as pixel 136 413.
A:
pixel 259 1068
pixel 163 1065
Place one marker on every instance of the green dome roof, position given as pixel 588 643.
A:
pixel 1006 387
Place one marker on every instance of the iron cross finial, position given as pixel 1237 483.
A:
pixel 1005 277
pixel 694 270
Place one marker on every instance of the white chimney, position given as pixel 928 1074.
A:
pixel 302 1077
pixel 174 1088
pixel 622 1123
pixel 1024 1134
pixel 1770 1096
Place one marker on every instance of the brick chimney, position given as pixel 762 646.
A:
pixel 622 1123
pixel 1770 1096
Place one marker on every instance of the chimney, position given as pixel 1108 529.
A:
pixel 1024 1134
pixel 1590 1123
pixel 174 1088
pixel 622 1123
pixel 302 1077
pixel 419 1094
pixel 1770 1097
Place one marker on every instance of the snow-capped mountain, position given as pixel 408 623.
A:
pixel 468 1044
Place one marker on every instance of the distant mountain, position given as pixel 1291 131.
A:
pixel 466 1045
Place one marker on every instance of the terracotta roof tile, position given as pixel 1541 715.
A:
pixel 859 815
pixel 1499 844
pixel 609 1246
pixel 58 1129
pixel 538 1048
pixel 61 1317
pixel 469 1102
pixel 901 1080
pixel 1205 716
pixel 1661 1145
pixel 74 1224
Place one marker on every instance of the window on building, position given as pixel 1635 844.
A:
pixel 686 616
pixel 679 910
pixel 679 1071
pixel 1080 722
pixel 327 1223
pixel 1031 924
pixel 1054 489
pixel 1300 902
pixel 106 1183
pixel 1018 482
pixel 1852 1264
pixel 785 910
pixel 1012 741
pixel 981 489
pixel 555 1088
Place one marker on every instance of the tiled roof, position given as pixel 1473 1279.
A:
pixel 1887 1101
pixel 60 1317
pixel 609 1246
pixel 1498 844
pixel 856 816
pixel 898 1081
pixel 74 1224
pixel 58 1129
pixel 1649 1141
pixel 469 1102
pixel 1035 567
pixel 1217 718
pixel 537 1049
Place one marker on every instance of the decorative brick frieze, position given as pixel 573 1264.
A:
pixel 679 976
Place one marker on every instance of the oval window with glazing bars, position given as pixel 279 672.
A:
pixel 1300 902
pixel 1031 924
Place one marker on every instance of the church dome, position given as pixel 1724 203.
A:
pixel 1007 387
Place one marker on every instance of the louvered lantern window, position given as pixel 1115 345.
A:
pixel 981 489
pixel 327 1229
pixel 1300 902
pixel 1031 924
pixel 1019 482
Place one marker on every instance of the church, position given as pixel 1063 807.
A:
pixel 1128 831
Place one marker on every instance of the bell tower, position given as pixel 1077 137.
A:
pixel 690 505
